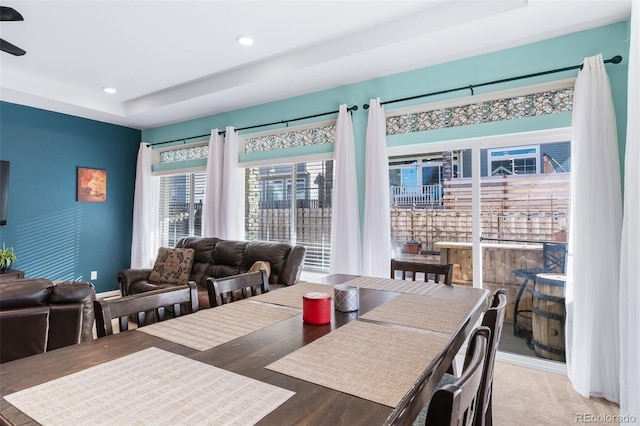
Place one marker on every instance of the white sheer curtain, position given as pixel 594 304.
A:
pixel 232 200
pixel 376 239
pixel 212 200
pixel 143 246
pixel 345 215
pixel 629 254
pixel 592 297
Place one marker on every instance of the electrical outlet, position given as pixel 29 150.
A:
pixel 94 275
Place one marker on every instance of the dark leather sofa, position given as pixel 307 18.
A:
pixel 37 315
pixel 219 258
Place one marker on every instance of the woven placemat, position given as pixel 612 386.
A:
pixel 399 286
pixel 151 386
pixel 371 361
pixel 292 295
pixel 427 313
pixel 208 328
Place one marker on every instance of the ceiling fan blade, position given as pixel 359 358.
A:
pixel 5 46
pixel 10 14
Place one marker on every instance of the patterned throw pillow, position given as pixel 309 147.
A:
pixel 261 265
pixel 173 266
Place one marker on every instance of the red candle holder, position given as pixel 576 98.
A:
pixel 316 308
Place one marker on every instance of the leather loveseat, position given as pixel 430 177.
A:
pixel 37 315
pixel 219 258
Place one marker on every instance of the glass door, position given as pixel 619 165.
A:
pixel 504 202
pixel 524 216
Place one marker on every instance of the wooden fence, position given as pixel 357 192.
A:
pixel 526 207
pixel 312 227
pixel 544 193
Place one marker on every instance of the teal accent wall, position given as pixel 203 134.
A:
pixel 55 236
pixel 553 53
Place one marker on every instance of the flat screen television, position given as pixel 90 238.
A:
pixel 4 191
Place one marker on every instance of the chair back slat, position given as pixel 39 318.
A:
pixel 123 323
pixel 141 304
pixel 236 287
pixel 409 270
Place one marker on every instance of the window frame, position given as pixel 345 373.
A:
pixel 268 160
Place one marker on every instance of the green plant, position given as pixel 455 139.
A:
pixel 7 257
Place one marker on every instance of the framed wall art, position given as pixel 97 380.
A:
pixel 92 185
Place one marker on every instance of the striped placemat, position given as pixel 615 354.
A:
pixel 151 386
pixel 427 313
pixel 208 328
pixel 292 295
pixel 399 286
pixel 371 361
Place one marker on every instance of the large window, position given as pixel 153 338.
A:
pixel 277 210
pixel 180 198
pixel 523 207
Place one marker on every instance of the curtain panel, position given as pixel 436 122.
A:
pixel 345 215
pixel 629 253
pixel 376 241
pixel 592 293
pixel 143 246
pixel 213 196
pixel 232 192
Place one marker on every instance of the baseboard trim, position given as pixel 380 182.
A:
pixel 105 294
pixel 533 363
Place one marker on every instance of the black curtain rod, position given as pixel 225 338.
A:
pixel 222 132
pixel 615 60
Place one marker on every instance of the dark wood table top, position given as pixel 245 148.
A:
pixel 248 356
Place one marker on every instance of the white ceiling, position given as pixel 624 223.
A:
pixel 175 60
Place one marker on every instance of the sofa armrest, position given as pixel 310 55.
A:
pixel 293 267
pixel 70 293
pixel 126 277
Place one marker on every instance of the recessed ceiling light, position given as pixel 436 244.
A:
pixel 109 90
pixel 244 40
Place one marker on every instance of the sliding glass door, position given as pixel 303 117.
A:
pixel 501 203
pixel 524 213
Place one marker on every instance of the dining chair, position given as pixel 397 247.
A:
pixel 440 273
pixel 493 319
pixel 458 402
pixel 236 287
pixel 553 261
pixel 147 307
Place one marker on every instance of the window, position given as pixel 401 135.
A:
pixel 417 181
pixel 289 202
pixel 519 210
pixel 513 161
pixel 180 198
pixel 278 211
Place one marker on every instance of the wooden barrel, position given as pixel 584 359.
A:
pixel 548 316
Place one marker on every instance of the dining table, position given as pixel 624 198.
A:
pixel 255 361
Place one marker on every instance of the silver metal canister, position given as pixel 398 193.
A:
pixel 346 298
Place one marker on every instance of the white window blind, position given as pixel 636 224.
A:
pixel 180 198
pixel 292 203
